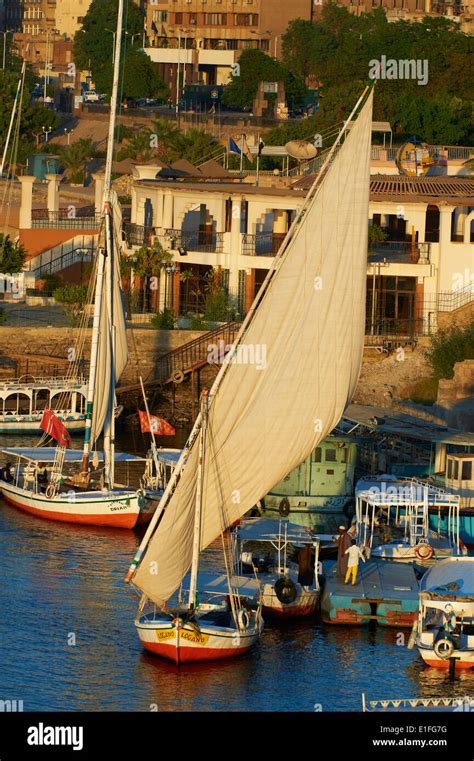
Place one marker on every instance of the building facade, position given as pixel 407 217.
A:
pixel 205 38
pixel 459 11
pixel 425 264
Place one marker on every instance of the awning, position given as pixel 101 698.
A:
pixel 275 531
pixel 48 454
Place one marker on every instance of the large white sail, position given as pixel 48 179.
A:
pixel 110 331
pixel 306 341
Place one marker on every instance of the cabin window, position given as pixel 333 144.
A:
pixel 317 455
pixel 466 472
pixel 450 469
pixel 330 472
pixel 456 469
pixel 330 455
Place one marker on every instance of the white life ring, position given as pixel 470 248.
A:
pixel 50 491
pixel 424 551
pixel 444 648
pixel 243 618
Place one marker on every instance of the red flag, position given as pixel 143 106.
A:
pixel 158 426
pixel 51 425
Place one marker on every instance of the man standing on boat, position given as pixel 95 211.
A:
pixel 343 543
pixel 354 555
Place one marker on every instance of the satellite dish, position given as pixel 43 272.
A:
pixel 301 149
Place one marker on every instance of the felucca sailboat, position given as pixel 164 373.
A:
pixel 259 424
pixel 74 499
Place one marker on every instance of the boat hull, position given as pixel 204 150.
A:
pixel 464 659
pixel 31 425
pixel 181 643
pixel 305 604
pixel 117 510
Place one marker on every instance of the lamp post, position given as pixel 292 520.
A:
pixel 4 48
pixel 112 31
pixel 68 132
pixel 46 132
pixel 185 32
pixel 170 270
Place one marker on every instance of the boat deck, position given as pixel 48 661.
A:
pixel 385 592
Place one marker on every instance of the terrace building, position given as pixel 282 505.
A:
pixel 212 221
pixel 204 38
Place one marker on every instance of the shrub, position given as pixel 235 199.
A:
pixel 73 299
pixel 217 307
pixel 448 347
pixel 425 391
pixel 197 322
pixel 163 320
pixel 3 316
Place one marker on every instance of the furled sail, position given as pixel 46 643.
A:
pixel 293 373
pixel 103 381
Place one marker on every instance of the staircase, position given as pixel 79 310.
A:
pixel 176 364
pixel 77 250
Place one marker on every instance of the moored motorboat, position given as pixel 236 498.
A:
pixel 393 520
pixel 445 625
pixel 285 559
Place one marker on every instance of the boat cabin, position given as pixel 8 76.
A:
pixel 459 474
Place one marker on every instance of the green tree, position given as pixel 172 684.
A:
pixel 148 263
pixel 255 67
pixel 138 147
pixel 338 48
pixel 448 347
pixel 33 116
pixel 73 298
pixel 94 43
pixel 12 255
pixel 75 158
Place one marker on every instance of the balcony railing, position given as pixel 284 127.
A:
pixel 138 235
pixel 400 252
pixel 205 241
pixel 262 244
pixel 82 220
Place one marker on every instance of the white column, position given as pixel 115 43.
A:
pixel 53 191
pixel 235 248
pixel 27 183
pixel 168 211
pixel 99 179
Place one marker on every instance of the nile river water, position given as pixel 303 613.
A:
pixel 68 641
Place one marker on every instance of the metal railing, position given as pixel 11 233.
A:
pixel 43 218
pixel 262 244
pixel 195 240
pixel 184 357
pixel 400 251
pixel 449 301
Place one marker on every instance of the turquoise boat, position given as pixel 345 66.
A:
pixel 319 493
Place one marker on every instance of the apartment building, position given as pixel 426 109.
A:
pixel 204 38
pixel 423 267
pixel 459 11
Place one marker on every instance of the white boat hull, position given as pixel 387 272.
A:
pixel 117 509
pixel 30 424
pixel 305 603
pixel 464 658
pixel 181 642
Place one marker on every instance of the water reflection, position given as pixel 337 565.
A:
pixel 68 640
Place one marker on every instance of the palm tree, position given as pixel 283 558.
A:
pixel 148 263
pixel 185 276
pixel 138 147
pixel 75 157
